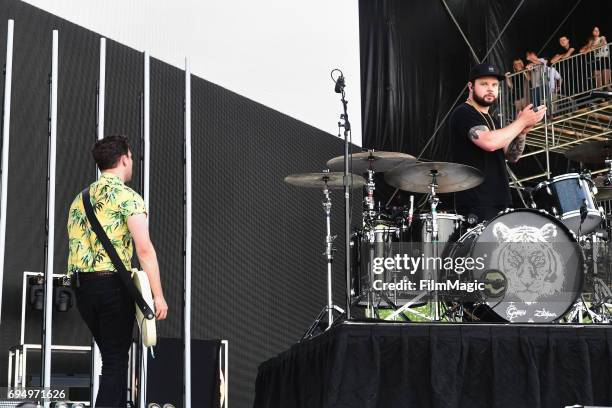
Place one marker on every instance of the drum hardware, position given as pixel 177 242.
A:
pixel 603 184
pixel 368 200
pixel 411 211
pixel 519 186
pixel 326 181
pixel 599 309
pixel 371 162
pixel 596 300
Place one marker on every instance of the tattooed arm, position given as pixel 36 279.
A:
pixel 515 148
pixel 492 140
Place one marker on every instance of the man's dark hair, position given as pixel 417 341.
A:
pixel 106 152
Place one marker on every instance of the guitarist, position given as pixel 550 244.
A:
pixel 102 298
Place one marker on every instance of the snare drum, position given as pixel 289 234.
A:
pixel 565 197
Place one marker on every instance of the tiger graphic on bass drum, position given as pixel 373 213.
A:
pixel 529 260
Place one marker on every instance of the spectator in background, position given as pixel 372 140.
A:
pixel 554 84
pixel 567 69
pixel 566 50
pixel 518 83
pixel 537 67
pixel 601 57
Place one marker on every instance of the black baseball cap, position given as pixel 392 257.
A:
pixel 483 70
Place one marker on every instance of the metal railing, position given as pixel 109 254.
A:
pixel 564 86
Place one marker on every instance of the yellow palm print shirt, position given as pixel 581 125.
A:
pixel 113 203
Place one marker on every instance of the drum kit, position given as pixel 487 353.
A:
pixel 551 262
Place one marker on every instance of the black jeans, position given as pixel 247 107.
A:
pixel 109 312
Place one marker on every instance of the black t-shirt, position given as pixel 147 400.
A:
pixel 494 190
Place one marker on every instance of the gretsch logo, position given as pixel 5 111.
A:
pixel 513 312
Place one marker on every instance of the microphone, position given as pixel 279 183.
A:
pixel 339 84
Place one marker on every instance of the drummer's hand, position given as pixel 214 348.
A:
pixel 161 308
pixel 529 117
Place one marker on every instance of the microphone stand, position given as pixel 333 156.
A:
pixel 344 123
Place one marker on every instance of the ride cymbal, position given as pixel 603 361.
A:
pixel 450 177
pixel 591 152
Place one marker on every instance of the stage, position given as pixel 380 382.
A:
pixel 387 364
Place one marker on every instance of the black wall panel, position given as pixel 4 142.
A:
pixel 259 277
pixel 167 186
pixel 258 269
pixel 124 91
pixel 25 250
pixel 78 73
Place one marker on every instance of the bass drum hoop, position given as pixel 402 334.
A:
pixel 478 229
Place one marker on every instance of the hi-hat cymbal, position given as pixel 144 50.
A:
pixel 319 180
pixel 603 192
pixel 450 177
pixel 591 152
pixel 377 161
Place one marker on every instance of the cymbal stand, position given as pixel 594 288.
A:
pixel 608 177
pixel 433 203
pixel 368 225
pixel 329 257
pixel 368 200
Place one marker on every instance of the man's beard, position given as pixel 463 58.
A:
pixel 481 101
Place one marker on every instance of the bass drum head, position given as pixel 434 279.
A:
pixel 532 265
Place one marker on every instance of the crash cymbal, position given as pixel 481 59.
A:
pixel 377 161
pixel 450 177
pixel 603 192
pixel 591 152
pixel 318 180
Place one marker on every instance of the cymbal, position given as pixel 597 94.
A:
pixel 451 177
pixel 591 152
pixel 377 161
pixel 603 192
pixel 318 180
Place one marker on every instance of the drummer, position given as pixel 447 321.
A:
pixel 478 140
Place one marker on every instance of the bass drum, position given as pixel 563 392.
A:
pixel 529 265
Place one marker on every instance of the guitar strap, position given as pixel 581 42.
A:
pixel 126 276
